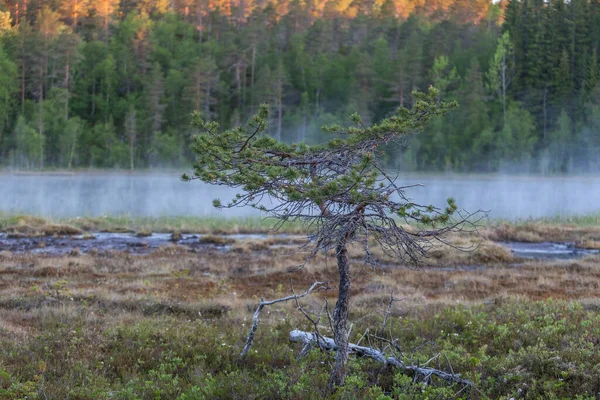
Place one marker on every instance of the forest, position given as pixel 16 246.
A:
pixel 113 84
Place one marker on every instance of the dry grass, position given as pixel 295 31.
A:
pixel 584 230
pixel 455 250
pixel 43 229
pixel 217 240
pixel 539 231
pixel 176 275
pixel 588 244
pixel 191 284
pixel 127 224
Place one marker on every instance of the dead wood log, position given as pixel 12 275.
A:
pixel 328 344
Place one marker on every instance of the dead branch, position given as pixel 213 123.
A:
pixel 329 317
pixel 424 371
pixel 314 322
pixel 388 312
pixel 255 317
pixel 392 343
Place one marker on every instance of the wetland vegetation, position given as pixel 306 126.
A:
pixel 170 322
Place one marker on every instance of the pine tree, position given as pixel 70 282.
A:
pixel 73 11
pixel 202 84
pixel 48 28
pixel 104 11
pixel 155 109
pixel 362 94
pixel 561 140
pixel 593 74
pixel 280 83
pixel 517 139
pixel 563 87
pixel 442 76
pixel 472 117
pixel 340 189
pixel 67 59
pixel 383 84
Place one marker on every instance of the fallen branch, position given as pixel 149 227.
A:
pixel 255 319
pixel 328 344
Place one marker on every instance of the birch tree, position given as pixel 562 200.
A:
pixel 501 70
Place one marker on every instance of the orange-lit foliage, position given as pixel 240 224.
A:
pixel 104 11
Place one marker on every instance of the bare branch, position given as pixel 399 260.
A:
pixel 388 311
pixel 393 343
pixel 262 303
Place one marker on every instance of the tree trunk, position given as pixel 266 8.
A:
pixel 401 95
pixel 93 98
pixel 106 29
pixel 238 83
pixel 545 106
pixel 23 86
pixel 199 20
pixel 41 121
pixel 317 95
pixel 131 151
pixel 304 127
pixel 252 78
pixel 504 86
pixel 340 318
pixel 279 95
pixel 74 15
pixel 207 100
pixel 67 76
pixel 72 153
pixel 244 90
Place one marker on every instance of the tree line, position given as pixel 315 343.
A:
pixel 112 84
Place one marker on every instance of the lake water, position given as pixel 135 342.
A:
pixel 162 194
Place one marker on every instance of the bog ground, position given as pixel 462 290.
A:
pixel 170 322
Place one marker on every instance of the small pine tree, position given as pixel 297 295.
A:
pixel 339 190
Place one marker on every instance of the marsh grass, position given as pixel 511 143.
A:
pixel 202 225
pixel 576 229
pixel 583 230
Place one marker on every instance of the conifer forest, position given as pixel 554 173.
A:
pixel 112 84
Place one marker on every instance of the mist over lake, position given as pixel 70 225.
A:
pixel 164 194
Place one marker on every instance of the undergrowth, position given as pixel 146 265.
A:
pixel 515 349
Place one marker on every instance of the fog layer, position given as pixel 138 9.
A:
pixel 154 195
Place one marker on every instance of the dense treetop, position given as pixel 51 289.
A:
pixel 103 83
